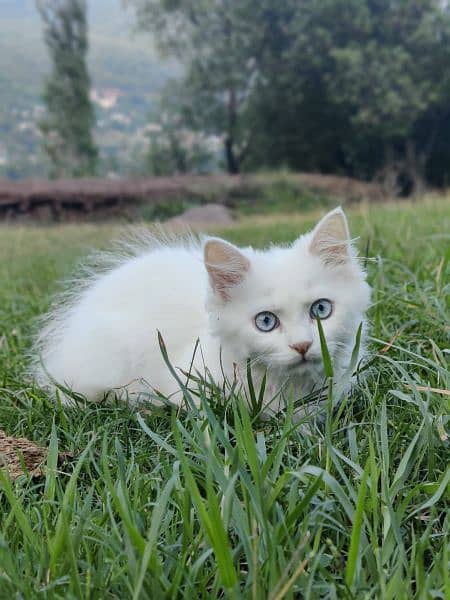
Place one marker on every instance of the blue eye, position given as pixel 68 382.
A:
pixel 266 321
pixel 321 308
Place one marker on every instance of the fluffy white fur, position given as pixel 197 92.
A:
pixel 104 336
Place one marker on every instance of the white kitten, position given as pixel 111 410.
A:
pixel 239 303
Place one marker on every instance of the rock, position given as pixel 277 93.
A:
pixel 198 217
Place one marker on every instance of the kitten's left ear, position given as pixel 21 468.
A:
pixel 225 264
pixel 331 238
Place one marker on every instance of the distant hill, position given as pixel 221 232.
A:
pixel 119 60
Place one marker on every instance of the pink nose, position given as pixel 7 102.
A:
pixel 302 348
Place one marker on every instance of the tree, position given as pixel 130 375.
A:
pixel 70 117
pixel 296 123
pixel 392 72
pixel 174 149
pixel 356 87
pixel 361 87
pixel 213 39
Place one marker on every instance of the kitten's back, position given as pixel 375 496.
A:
pixel 105 335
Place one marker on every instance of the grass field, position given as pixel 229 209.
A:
pixel 218 504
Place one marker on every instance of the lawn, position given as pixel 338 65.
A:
pixel 217 503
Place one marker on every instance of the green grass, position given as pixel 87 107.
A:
pixel 214 503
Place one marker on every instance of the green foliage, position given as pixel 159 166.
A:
pixel 345 86
pixel 161 211
pixel 116 59
pixel 278 194
pixel 211 39
pixel 67 126
pixel 177 150
pixel 213 502
pixel 357 81
pixel 394 74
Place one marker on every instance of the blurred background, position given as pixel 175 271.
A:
pixel 348 98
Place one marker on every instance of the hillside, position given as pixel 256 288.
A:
pixel 124 68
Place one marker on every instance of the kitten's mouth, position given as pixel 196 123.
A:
pixel 300 362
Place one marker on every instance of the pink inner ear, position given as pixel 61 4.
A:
pixel 227 278
pixel 331 239
pixel 226 266
pixel 222 280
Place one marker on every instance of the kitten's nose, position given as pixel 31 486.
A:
pixel 302 348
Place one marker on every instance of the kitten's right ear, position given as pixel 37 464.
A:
pixel 225 264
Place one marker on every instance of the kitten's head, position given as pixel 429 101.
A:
pixel 264 305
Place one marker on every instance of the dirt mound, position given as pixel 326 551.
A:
pixel 87 199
